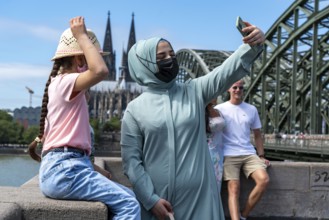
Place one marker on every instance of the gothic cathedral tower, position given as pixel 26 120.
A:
pixel 110 97
pixel 108 47
pixel 124 71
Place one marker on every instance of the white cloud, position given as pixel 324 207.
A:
pixel 39 31
pixel 22 70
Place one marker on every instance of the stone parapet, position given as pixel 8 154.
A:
pixel 28 203
pixel 297 190
pixel 10 211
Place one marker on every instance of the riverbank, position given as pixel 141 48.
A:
pixel 13 151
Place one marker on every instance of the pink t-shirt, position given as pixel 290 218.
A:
pixel 67 122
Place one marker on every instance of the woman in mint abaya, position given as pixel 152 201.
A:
pixel 163 140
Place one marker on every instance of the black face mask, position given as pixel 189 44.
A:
pixel 168 69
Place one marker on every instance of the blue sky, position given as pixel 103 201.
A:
pixel 30 32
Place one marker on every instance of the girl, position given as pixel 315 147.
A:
pixel 66 171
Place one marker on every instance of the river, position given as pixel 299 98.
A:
pixel 15 170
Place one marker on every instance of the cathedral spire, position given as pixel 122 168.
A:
pixel 131 42
pixel 108 47
pixel 132 34
pixel 124 58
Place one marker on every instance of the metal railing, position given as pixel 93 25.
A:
pixel 312 147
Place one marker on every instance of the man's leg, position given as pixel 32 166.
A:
pixel 261 179
pixel 233 187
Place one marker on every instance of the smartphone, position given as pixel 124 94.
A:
pixel 240 25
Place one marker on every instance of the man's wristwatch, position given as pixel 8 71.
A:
pixel 261 155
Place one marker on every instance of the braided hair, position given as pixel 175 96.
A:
pixel 58 67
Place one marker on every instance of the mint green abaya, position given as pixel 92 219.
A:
pixel 163 140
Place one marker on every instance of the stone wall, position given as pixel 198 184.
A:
pixel 297 190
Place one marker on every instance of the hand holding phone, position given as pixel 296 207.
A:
pixel 240 25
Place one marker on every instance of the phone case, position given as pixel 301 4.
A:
pixel 240 25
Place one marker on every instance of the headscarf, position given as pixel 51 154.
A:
pixel 142 63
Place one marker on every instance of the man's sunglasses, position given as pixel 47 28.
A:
pixel 236 87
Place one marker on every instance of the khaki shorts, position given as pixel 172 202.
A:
pixel 248 163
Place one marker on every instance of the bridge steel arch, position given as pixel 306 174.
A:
pixel 289 83
pixel 196 63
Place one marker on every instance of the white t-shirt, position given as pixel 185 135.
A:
pixel 240 120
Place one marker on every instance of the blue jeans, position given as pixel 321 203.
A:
pixel 70 175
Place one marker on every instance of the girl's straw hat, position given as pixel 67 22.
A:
pixel 68 45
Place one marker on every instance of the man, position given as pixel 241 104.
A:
pixel 239 153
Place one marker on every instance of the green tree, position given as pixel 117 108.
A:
pixel 10 132
pixel 114 124
pixel 5 132
pixel 5 116
pixel 30 134
pixel 18 134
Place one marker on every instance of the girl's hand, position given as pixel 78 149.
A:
pixel 78 26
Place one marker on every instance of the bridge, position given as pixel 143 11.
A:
pixel 289 82
pixel 307 148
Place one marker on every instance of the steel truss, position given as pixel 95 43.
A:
pixel 289 83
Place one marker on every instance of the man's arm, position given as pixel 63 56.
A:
pixel 259 142
pixel 260 146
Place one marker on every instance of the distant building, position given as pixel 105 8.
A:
pixel 110 97
pixel 27 116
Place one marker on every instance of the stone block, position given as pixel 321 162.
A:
pixel 10 211
pixel 319 178
pixel 314 203
pixel 115 167
pixel 289 176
